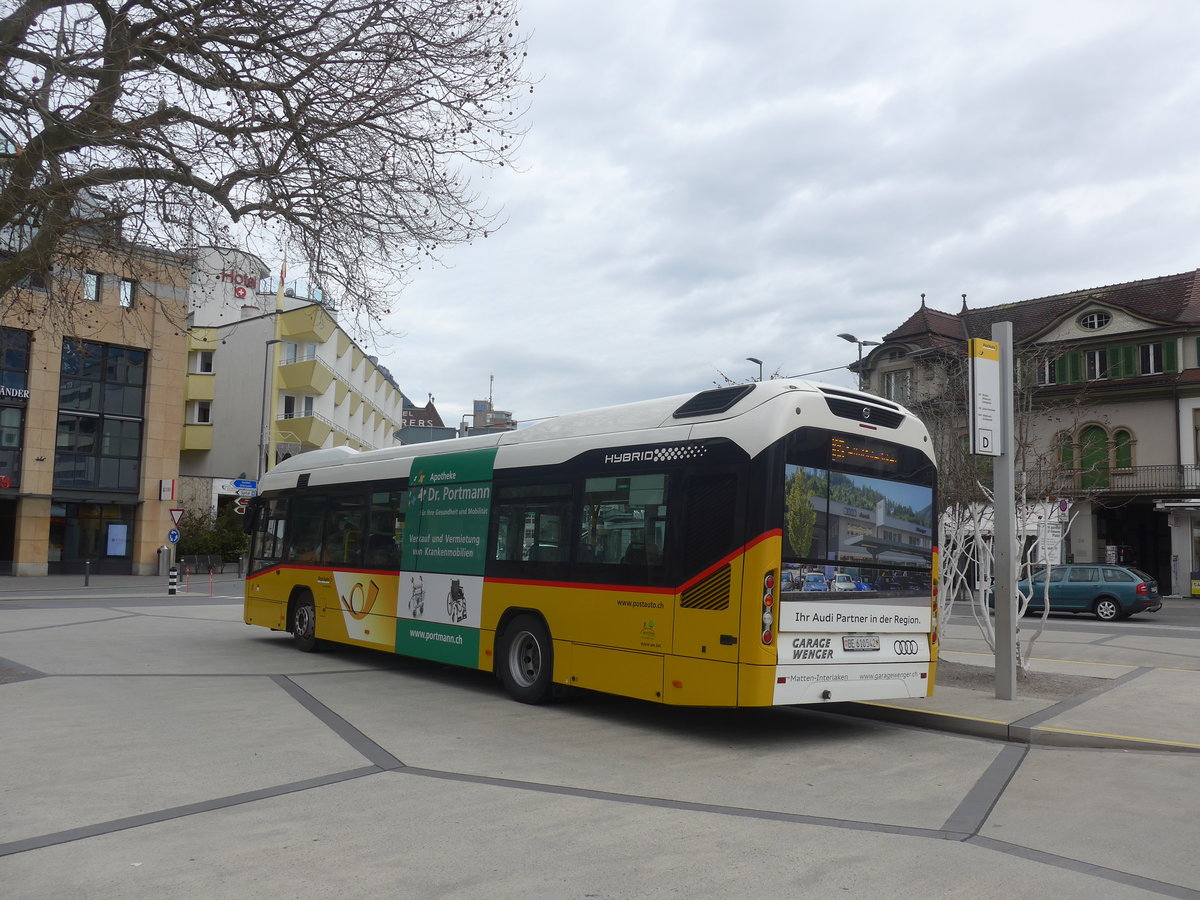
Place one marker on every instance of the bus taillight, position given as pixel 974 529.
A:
pixel 768 601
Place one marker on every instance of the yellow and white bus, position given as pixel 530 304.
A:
pixel 754 545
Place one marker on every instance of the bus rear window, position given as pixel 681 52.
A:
pixel 861 505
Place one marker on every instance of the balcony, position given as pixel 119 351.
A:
pixel 1130 482
pixel 310 431
pixel 197 437
pixel 199 386
pixel 306 376
pixel 308 323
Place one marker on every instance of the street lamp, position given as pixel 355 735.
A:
pixel 262 421
pixel 759 361
pixel 852 339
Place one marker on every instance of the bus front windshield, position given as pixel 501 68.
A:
pixel 858 515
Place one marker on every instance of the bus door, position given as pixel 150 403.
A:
pixel 708 601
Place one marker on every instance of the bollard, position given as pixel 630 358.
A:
pixel 172 579
pixel 87 572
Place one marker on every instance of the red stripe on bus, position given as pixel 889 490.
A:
pixel 641 589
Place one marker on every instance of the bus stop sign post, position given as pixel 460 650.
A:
pixel 1004 486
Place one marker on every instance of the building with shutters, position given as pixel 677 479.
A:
pixel 1111 379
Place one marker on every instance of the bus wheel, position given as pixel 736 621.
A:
pixel 304 623
pixel 526 660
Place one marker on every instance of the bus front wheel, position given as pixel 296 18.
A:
pixel 526 660
pixel 304 624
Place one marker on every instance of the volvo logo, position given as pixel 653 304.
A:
pixel 866 412
pixel 906 648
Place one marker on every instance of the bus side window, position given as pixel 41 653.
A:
pixel 624 521
pixel 267 549
pixel 303 542
pixel 342 545
pixel 385 529
pixel 530 524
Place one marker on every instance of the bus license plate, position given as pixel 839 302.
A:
pixel 860 642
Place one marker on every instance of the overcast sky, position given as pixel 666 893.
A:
pixel 708 181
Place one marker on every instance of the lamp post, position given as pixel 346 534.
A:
pixel 759 361
pixel 263 424
pixel 852 339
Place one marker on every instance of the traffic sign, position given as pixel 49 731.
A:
pixel 245 483
pixel 240 504
pixel 173 536
pixel 176 515
pixel 246 492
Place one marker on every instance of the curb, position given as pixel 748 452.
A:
pixel 1012 732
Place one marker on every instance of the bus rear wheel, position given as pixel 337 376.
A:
pixel 304 623
pixel 526 660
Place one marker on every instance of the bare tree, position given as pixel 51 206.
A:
pixel 339 130
pixel 964 479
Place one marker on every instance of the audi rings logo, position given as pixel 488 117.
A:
pixel 906 648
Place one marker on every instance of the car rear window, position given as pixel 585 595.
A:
pixel 1142 575
pixel 1083 573
pixel 1117 575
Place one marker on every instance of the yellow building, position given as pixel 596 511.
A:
pixel 270 374
pixel 90 419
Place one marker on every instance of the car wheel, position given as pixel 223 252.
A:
pixel 304 624
pixel 1106 609
pixel 526 660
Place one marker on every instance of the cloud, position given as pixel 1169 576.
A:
pixel 703 183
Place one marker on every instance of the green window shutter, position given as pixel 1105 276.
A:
pixel 1170 357
pixel 1129 361
pixel 1074 367
pixel 1116 362
pixel 1061 375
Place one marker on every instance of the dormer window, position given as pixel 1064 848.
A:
pixel 1094 321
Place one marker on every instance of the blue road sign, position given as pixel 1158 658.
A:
pixel 173 535
pixel 245 483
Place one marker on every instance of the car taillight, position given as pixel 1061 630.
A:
pixel 1143 588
